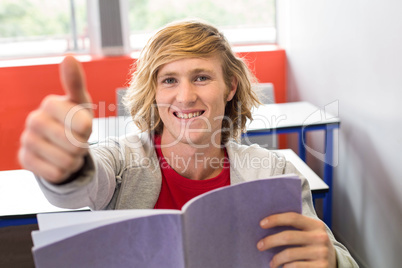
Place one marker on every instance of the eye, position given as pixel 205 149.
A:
pixel 201 78
pixel 169 80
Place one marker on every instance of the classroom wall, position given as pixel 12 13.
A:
pixel 23 86
pixel 349 53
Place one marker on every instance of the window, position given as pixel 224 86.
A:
pixel 42 27
pixel 53 27
pixel 243 22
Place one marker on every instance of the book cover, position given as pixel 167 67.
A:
pixel 217 229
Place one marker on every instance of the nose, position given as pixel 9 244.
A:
pixel 186 93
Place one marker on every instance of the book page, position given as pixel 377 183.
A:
pixel 152 241
pixel 48 221
pixel 222 226
pixel 54 227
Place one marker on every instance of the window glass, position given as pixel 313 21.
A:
pixel 42 27
pixel 243 22
pixel 52 27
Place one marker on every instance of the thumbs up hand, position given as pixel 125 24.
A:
pixel 54 141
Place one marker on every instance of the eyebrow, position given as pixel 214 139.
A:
pixel 201 70
pixel 192 72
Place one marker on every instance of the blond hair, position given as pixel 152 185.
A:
pixel 188 39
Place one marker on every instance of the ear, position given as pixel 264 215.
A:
pixel 232 89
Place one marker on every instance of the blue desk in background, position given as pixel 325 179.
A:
pixel 300 118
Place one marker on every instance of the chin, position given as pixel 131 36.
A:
pixel 195 140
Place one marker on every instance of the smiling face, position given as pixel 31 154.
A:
pixel 191 95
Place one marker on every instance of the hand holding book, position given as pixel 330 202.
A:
pixel 309 240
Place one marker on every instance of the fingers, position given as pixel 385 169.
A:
pixel 52 154
pixel 310 245
pixel 292 219
pixel 72 138
pixel 70 116
pixel 302 257
pixel 47 161
pixel 73 81
pixel 40 167
pixel 308 231
pixel 293 238
pixel 46 148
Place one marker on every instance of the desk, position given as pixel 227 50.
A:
pixel 317 185
pixel 21 198
pixel 300 117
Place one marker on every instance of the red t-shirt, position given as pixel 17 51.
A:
pixel 177 190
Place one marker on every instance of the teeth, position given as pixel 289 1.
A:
pixel 189 115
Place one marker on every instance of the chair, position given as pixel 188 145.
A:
pixel 266 94
pixel 121 110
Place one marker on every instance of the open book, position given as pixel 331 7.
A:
pixel 217 229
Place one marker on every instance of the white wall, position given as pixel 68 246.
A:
pixel 351 51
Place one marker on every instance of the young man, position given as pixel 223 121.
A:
pixel 190 96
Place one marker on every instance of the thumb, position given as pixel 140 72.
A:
pixel 73 80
